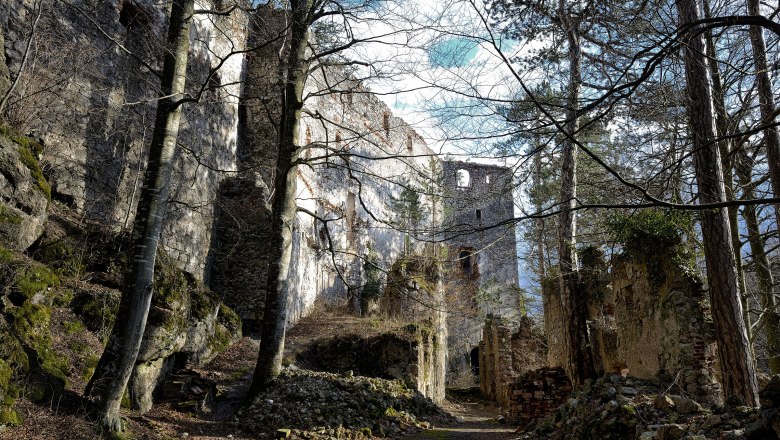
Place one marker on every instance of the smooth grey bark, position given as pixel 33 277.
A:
pixel 269 361
pixel 115 366
pixel 769 317
pixel 736 360
pixel 580 365
pixel 766 103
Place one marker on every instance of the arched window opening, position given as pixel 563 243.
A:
pixel 468 261
pixel 462 179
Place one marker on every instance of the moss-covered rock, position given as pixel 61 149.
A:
pixel 24 192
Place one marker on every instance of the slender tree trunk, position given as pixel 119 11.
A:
pixel 580 360
pixel 766 286
pixel 727 161
pixel 539 221
pixel 269 362
pixel 113 371
pixel 736 360
pixel 766 103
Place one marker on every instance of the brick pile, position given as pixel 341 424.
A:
pixel 538 393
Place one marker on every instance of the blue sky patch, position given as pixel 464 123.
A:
pixel 453 52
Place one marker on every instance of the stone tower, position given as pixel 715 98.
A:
pixel 479 206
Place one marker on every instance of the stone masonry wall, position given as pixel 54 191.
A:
pixel 93 106
pixel 483 256
pixel 653 321
pixel 664 326
pixel 504 356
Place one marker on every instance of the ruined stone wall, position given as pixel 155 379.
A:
pixel 93 106
pixel 505 355
pixel 663 324
pixel 653 320
pixel 357 157
pixel 410 353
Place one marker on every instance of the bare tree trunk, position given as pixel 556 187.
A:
pixel 736 360
pixel 580 360
pixel 541 272
pixel 766 103
pixel 113 371
pixel 725 147
pixel 769 315
pixel 269 362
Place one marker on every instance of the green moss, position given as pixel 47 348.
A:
pixel 97 311
pixel 8 216
pixel 5 375
pixel 9 416
pixel 73 327
pixel 34 279
pixel 31 325
pixel 229 318
pixel 203 303
pixel 125 400
pixel 27 151
pixel 228 325
pixel 6 256
pixel 90 363
pixel 12 352
pixel 62 256
pixel 171 285
pixel 64 298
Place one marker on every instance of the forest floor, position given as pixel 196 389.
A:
pixel 476 419
pixel 67 416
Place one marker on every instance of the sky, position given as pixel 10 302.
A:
pixel 433 62
pixel 430 69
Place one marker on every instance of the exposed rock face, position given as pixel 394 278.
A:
pixel 187 326
pixel 5 75
pixel 95 142
pixel 23 201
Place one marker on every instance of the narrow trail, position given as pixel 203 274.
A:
pixel 476 421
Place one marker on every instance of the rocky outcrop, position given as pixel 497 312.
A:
pixel 24 192
pixel 5 75
pixel 187 325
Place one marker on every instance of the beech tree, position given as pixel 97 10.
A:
pixel 115 366
pixel 302 14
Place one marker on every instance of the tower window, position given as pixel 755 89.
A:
pixel 479 215
pixel 462 179
pixel 467 260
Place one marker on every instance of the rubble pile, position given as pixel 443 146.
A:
pixel 617 407
pixel 316 405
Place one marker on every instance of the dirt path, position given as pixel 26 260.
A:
pixel 476 421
